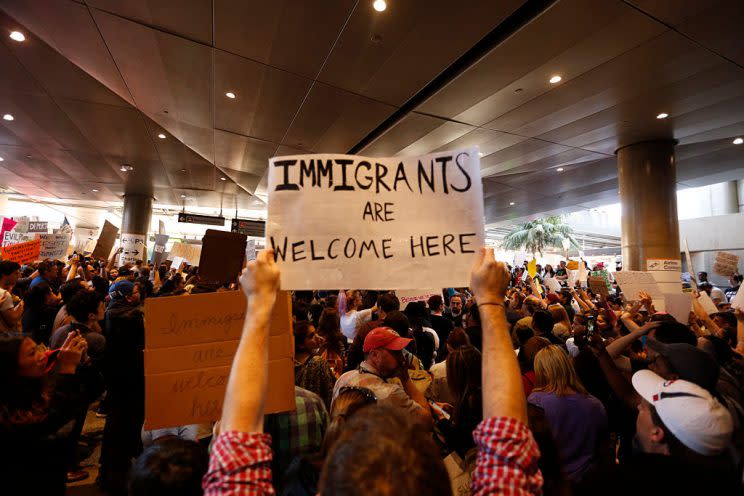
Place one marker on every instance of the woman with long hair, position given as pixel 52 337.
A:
pixel 312 371
pixel 464 383
pixel 578 421
pixel 34 406
pixel 333 345
pixel 561 326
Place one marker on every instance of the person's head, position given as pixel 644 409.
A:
pixel 383 349
pixel 562 263
pixel 47 269
pixel 387 303
pixel 531 305
pixel 559 313
pixel 702 276
pixel 464 372
pixel 397 321
pixel 554 372
pixel 169 467
pixel 671 331
pixel 725 320
pixel 436 304
pixel 542 322
pixel 456 304
pixel 530 350
pixel 125 291
pixel 456 339
pixel 416 313
pixel 71 288
pixel 348 402
pixel 329 323
pixel 706 286
pixel 735 280
pixel 20 357
pixel 38 296
pixel 472 316
pixel 353 299
pixel 86 307
pixel 684 361
pixel 382 451
pixel 305 337
pixel 9 273
pixel 679 418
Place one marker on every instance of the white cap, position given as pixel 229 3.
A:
pixel 695 417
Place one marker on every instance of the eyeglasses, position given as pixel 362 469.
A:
pixel 367 393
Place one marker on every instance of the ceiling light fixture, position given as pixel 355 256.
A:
pixel 1 159
pixel 161 136
pixel 379 5
pixel 8 117
pixel 662 115
pixel 94 190
pixel 737 141
pixel 183 196
pixel 223 178
pixel 17 36
pixel 230 94
pixel 511 204
pixel 555 79
pixel 126 168
pixel 480 154
pixel 560 169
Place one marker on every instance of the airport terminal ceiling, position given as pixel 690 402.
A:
pixel 190 98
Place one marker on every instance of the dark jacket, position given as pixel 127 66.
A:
pixel 124 363
pixel 39 323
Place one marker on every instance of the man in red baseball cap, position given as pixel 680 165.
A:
pixel 383 360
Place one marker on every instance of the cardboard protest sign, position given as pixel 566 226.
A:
pixel 158 251
pixel 532 268
pixel 583 273
pixel 598 285
pixel 53 246
pixel 726 264
pixel 134 248
pixel 190 344
pixel 738 300
pixel 678 306
pixel 707 303
pixel 188 251
pixel 410 295
pixel 14 237
pixel 38 226
pixel 22 253
pixel 222 256
pixel 8 225
pixel 106 241
pixel 632 282
pixel 552 284
pixel 82 237
pixel 22 224
pixel 375 223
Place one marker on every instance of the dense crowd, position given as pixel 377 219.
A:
pixel 504 387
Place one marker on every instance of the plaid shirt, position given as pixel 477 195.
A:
pixel 507 462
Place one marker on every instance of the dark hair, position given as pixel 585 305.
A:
pixel 457 338
pixel 329 328
pixel 403 459
pixel 397 321
pixel 22 399
pixel 435 302
pixel 737 278
pixel 7 267
pixel 416 313
pixel 35 297
pixel 388 302
pixel 728 318
pixel 464 382
pixel 674 332
pixel 316 309
pixel 45 266
pixel 542 320
pixel 83 304
pixel 100 285
pixel 169 467
pixel 70 289
pixel 301 330
pixel 474 314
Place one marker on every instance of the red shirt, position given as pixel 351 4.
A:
pixel 507 462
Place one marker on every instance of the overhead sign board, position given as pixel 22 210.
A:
pixel 256 228
pixel 210 220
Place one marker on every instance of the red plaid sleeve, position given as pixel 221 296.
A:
pixel 507 459
pixel 240 464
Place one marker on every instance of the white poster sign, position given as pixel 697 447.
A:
pixel 22 224
pixel 82 238
pixel 13 237
pixel 250 250
pixel 410 295
pixel 632 282
pixel 552 284
pixel 53 246
pixel 133 248
pixel 375 223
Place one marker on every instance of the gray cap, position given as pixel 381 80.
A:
pixel 690 363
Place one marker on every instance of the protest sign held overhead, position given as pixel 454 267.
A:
pixel 53 246
pixel 22 253
pixel 106 241
pixel 408 296
pixel 375 223
pixel 222 256
pixel 726 264
pixel 158 251
pixel 133 248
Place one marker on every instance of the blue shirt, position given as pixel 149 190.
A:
pixel 36 280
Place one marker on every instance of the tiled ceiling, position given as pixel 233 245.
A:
pixel 97 80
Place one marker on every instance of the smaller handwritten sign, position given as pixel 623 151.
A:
pixel 726 264
pixel 53 246
pixel 409 296
pixel 632 282
pixel 22 253
pixel 598 285
pixel 15 237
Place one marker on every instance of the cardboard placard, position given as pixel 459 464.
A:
pixel 106 241
pixel 8 225
pixel 632 282
pixel 679 306
pixel 664 264
pixel 552 284
pixel 158 251
pixel 53 246
pixel 583 273
pixel 726 264
pixel 707 304
pixel 532 268
pixel 222 256
pixel 407 296
pixel 190 342
pixel 38 226
pixel 188 251
pixel 22 253
pixel 375 223
pixel 598 285
pixel 13 237
pixel 82 237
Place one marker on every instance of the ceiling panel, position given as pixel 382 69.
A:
pixel 241 153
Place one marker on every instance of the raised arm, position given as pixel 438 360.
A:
pixel 507 452
pixel 240 462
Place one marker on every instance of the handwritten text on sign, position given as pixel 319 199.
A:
pixel 347 221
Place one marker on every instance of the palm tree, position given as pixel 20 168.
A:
pixel 536 235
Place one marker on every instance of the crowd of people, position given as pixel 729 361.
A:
pixel 504 387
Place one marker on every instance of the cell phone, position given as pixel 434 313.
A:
pixel 590 325
pixel 439 409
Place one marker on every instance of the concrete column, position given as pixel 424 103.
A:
pixel 724 199
pixel 135 223
pixel 647 178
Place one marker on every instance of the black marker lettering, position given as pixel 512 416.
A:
pixel 307 169
pixel 443 161
pixel 312 251
pixel 431 246
pixel 344 162
pixel 400 175
pixel 385 247
pixel 368 211
pixel 380 167
pixel 447 240
pixel 388 213
pixel 468 182
pixel 419 245
pixel 330 247
pixel 369 246
pixel 346 248
pixel 422 175
pixel 464 243
pixel 295 251
pixel 366 164
pixel 279 252
pixel 286 185
pixel 325 170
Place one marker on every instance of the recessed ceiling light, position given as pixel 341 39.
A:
pixel 8 117
pixel 480 154
pixel 182 170
pixel 1 159
pixel 94 190
pixel 223 178
pixel 161 136
pixel 737 141
pixel 511 204
pixel 555 79
pixel 17 36
pixel 126 168
pixel 560 169
pixel 230 94
pixel 379 5
pixel 662 115
pixel 183 196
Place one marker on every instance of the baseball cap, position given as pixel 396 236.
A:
pixel 121 288
pixel 384 337
pixel 697 419
pixel 689 362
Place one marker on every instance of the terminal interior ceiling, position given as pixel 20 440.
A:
pixel 186 100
